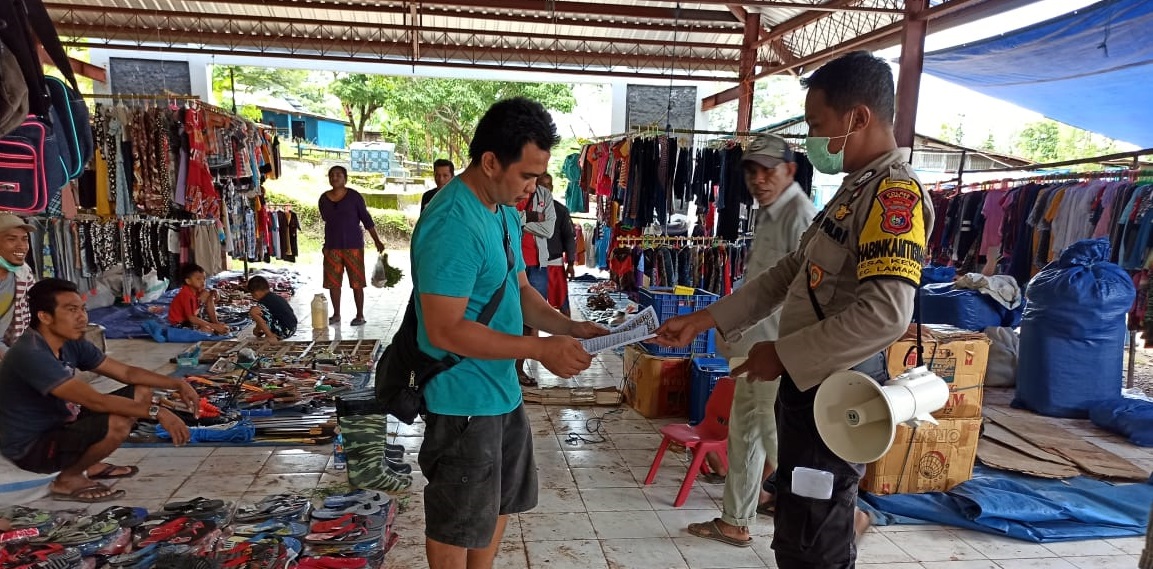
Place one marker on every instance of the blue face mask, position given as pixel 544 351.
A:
pixel 9 266
pixel 824 161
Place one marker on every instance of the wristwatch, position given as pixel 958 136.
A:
pixel 153 411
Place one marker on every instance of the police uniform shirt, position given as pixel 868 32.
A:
pixel 862 259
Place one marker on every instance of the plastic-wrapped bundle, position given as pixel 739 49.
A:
pixel 942 303
pixel 1073 333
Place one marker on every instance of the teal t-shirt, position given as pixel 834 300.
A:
pixel 458 251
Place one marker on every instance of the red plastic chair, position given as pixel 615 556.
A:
pixel 711 435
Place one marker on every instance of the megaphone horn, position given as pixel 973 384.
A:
pixel 857 417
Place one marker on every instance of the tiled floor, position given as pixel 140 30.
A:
pixel 594 511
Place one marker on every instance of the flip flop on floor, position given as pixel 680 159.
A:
pixel 115 471
pixel 710 530
pixel 88 494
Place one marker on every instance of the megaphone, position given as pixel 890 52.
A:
pixel 857 417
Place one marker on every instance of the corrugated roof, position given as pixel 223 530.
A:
pixel 655 38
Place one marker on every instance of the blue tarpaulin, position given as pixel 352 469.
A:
pixel 1090 69
pixel 1024 508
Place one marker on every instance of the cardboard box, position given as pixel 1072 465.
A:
pixel 656 387
pixel 935 459
pixel 960 357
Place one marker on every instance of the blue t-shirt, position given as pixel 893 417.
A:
pixel 458 251
pixel 28 374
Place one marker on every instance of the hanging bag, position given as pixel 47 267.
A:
pixel 405 369
pixel 52 145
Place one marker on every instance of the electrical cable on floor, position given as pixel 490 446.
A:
pixel 593 426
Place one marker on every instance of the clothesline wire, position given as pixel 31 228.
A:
pixel 1094 160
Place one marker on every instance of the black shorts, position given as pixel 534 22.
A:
pixel 60 448
pixel 478 468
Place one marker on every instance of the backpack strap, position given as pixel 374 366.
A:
pixel 489 309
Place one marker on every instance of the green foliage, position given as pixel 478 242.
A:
pixel 1050 141
pixel 434 118
pixel 392 224
pixel 251 112
pixel 306 86
pixel 361 96
pixel 990 143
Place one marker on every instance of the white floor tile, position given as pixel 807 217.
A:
pixel 558 500
pixel 615 500
pixel 648 553
pixel 603 478
pixel 936 545
pixel 1104 562
pixel 1083 548
pixel 662 498
pixel 556 527
pixel 878 548
pixel 627 525
pixel 595 459
pixel 1130 545
pixel 996 547
pixel 1045 563
pixel 576 554
pixel 970 564
pixel 709 554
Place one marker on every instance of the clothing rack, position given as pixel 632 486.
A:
pixel 665 239
pixel 1118 174
pixel 141 97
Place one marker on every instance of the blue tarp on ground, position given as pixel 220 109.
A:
pixel 1090 68
pixel 1025 508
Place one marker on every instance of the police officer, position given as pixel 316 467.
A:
pixel 845 296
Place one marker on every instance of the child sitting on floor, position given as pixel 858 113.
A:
pixel 195 306
pixel 274 318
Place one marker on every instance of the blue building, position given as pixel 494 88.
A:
pixel 314 129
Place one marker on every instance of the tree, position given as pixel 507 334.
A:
pixel 1050 141
pixel 436 117
pixel 305 86
pixel 990 143
pixel 1039 141
pixel 362 95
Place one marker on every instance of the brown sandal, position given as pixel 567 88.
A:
pixel 710 530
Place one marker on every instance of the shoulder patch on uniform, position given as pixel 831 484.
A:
pixel 892 243
pixel 898 199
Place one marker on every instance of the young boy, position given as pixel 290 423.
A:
pixel 195 305
pixel 273 316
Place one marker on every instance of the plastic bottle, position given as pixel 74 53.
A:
pixel 339 459
pixel 319 312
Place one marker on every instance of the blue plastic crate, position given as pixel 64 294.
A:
pixel 669 305
pixel 706 372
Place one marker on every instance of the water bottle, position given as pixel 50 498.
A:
pixel 319 312
pixel 339 459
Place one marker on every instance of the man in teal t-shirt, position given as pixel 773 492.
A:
pixel 477 450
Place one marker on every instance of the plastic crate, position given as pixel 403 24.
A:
pixel 705 373
pixel 669 305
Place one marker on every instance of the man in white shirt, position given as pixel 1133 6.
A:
pixel 784 213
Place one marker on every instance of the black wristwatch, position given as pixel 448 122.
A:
pixel 153 411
